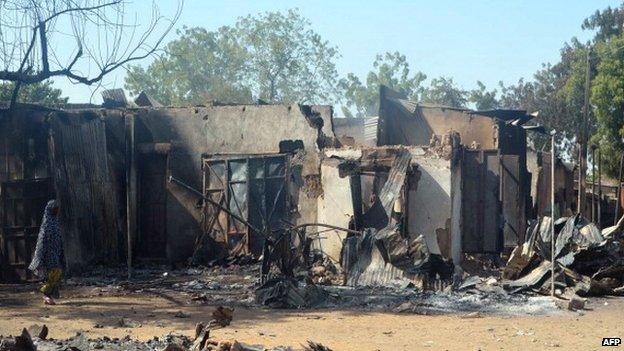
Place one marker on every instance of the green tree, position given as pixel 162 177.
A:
pixel 287 60
pixel 40 93
pixel 390 69
pixel 197 67
pixel 273 56
pixel 608 102
pixel 557 94
pixel 443 91
pixel 608 23
pixel 482 98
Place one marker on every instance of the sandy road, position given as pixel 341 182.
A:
pixel 147 315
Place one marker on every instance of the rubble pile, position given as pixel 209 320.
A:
pixel 231 285
pixel 202 341
pixel 80 342
pixel 588 262
pixel 325 272
pixel 283 292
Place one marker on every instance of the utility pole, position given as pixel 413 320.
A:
pixel 619 192
pixel 599 189
pixel 583 137
pixel 552 213
pixel 593 185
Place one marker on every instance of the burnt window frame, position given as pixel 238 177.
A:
pixel 237 231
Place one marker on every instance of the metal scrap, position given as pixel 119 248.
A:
pixel 586 260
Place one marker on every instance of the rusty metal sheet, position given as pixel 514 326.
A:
pixel 85 188
pixel 512 201
pixel 480 206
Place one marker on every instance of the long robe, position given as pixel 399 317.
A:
pixel 49 250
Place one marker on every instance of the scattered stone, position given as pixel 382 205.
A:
pixel 22 342
pixel 174 347
pixel 407 306
pixel 472 315
pixel 315 346
pixel 128 323
pixel 79 343
pixel 576 303
pixel 491 281
pixel 181 314
pixel 223 316
pixel 37 331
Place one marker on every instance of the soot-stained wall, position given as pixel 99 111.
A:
pixel 233 130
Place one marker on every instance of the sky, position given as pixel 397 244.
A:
pixel 490 41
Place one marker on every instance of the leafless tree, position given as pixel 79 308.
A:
pixel 82 40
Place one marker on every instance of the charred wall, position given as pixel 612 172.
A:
pixel 403 122
pixel 85 185
pixel 68 151
pixel 194 133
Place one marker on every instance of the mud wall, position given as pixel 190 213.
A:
pixel 233 130
pixel 429 203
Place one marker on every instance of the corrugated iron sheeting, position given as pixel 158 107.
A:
pixel 85 189
pixel 370 130
pixel 371 268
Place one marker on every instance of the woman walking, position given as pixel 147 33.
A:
pixel 48 260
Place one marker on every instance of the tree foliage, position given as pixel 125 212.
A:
pixel 482 98
pixel 608 101
pixel 199 66
pixel 608 23
pixel 444 91
pixel 41 93
pixel 275 57
pixel 390 69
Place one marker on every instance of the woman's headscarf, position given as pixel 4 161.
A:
pixel 49 250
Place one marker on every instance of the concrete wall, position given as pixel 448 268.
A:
pixel 407 123
pixel 429 211
pixel 335 207
pixel 429 203
pixel 251 129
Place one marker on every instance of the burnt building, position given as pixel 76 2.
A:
pixel 470 188
pixel 109 168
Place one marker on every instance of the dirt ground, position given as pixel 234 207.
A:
pixel 146 315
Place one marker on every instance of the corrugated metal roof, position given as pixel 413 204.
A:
pixel 370 129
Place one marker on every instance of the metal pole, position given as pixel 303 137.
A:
pixel 583 135
pixel 130 189
pixel 552 212
pixel 599 211
pixel 619 191
pixel 593 197
pixel 172 179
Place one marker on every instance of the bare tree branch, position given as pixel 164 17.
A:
pixel 104 41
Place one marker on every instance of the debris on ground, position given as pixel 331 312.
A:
pixel 38 331
pixel 325 272
pixel 588 262
pixel 289 293
pixel 170 342
pixel 383 254
pixel 223 316
pixel 23 342
pixel 314 346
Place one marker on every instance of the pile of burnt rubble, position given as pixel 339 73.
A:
pixel 35 338
pixel 588 261
pixel 170 342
